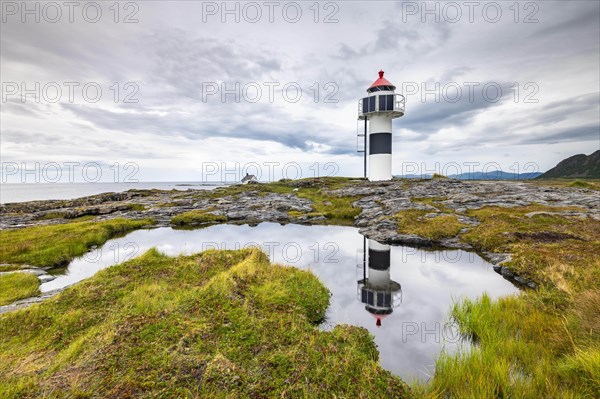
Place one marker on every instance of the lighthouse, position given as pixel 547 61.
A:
pixel 377 110
pixel 376 290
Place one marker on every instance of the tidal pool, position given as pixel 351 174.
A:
pixel 402 295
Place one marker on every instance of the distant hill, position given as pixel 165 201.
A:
pixel 495 175
pixel 577 166
pixel 491 175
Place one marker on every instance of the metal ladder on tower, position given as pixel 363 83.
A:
pixel 361 141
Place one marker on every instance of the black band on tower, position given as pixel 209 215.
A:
pixel 380 143
pixel 379 260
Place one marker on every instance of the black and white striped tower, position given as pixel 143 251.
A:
pixel 379 108
pixel 378 291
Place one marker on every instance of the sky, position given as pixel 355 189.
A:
pixel 208 91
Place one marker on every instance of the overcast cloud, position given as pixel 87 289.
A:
pixel 166 71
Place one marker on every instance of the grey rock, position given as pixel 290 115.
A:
pixel 506 272
pixel 23 303
pixel 513 277
pixel 46 278
pixel 497 258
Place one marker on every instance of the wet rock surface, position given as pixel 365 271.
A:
pixel 251 207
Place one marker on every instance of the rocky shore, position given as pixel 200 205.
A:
pixel 378 203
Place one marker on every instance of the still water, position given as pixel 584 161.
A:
pixel 403 295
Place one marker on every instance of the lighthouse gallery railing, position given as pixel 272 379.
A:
pixel 379 103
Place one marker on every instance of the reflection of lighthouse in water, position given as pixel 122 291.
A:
pixel 377 290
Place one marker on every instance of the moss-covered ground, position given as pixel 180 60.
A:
pixel 197 217
pixel 591 184
pixel 51 246
pixel 418 222
pixel 56 245
pixel 220 324
pixel 15 286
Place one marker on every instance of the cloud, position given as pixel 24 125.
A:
pixel 170 53
pixel 433 114
pixel 392 36
pixel 184 61
pixel 585 133
pixel 245 124
pixel 577 20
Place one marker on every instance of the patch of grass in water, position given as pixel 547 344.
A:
pixel 212 325
pixel 58 244
pixel 15 286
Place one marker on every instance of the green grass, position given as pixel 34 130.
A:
pixel 136 207
pixel 336 210
pixel 62 215
pixel 220 324
pixel 413 221
pixel 168 204
pixel 541 343
pixel 53 215
pixel 197 217
pixel 435 202
pixel 10 268
pixel 591 184
pixel 585 184
pixel 295 214
pixel 522 352
pixel 58 244
pixel 15 286
pixel 548 248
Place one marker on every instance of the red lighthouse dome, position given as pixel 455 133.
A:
pixel 381 84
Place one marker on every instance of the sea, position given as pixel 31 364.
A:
pixel 23 192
